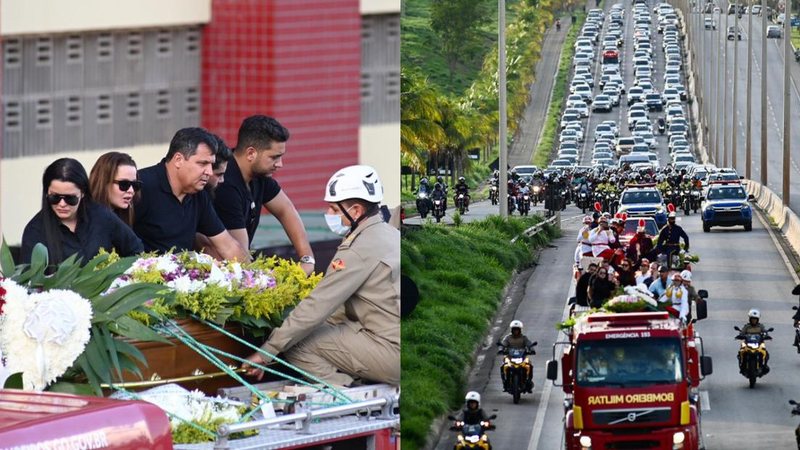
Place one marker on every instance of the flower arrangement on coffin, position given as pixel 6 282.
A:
pixel 255 295
pixel 184 406
pixel 635 299
pixel 61 321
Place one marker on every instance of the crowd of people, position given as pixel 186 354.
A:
pixel 208 197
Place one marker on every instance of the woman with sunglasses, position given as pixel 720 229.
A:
pixel 113 183
pixel 600 287
pixel 71 223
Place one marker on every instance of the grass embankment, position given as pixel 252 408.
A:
pixel 796 37
pixel 461 273
pixel 541 156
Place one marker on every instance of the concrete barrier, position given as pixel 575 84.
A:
pixel 772 205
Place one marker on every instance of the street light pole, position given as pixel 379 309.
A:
pixel 501 91
pixel 748 148
pixel 720 114
pixel 787 99
pixel 734 114
pixel 726 145
pixel 764 92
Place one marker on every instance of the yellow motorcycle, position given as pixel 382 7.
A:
pixel 472 436
pixel 753 355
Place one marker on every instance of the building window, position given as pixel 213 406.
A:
pixel 367 29
pixel 13 112
pixel 73 111
pixel 105 47
pixel 163 104
pixel 192 101
pixel 44 113
pixel 134 46
pixel 393 85
pixel 104 109
pixel 366 86
pixel 133 106
pixel 12 53
pixel 164 43
pixel 192 42
pixel 74 49
pixel 44 51
pixel 393 29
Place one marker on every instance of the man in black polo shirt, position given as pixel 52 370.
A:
pixel 249 184
pixel 173 205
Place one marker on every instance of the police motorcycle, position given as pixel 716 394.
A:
pixel 461 202
pixel 662 125
pixel 537 192
pixel 494 192
pixel 524 203
pixel 516 366
pixel 796 412
pixel 686 200
pixel 752 354
pixel 696 199
pixel 472 436
pixel 424 203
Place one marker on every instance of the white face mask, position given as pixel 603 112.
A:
pixel 334 222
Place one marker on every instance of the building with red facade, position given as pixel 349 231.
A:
pixel 80 81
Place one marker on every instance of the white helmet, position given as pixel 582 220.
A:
pixel 473 396
pixel 516 324
pixel 754 313
pixel 354 182
pixel 686 275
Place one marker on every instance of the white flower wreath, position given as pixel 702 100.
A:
pixel 42 334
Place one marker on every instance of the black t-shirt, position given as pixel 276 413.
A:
pixel 101 229
pixel 239 206
pixel 163 222
pixel 582 289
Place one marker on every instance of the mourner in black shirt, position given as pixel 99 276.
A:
pixel 174 206
pixel 71 223
pixel 249 186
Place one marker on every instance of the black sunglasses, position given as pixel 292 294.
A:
pixel 55 199
pixel 124 185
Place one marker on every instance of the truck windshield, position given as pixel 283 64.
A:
pixel 629 362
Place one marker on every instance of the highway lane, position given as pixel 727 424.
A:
pixel 774 74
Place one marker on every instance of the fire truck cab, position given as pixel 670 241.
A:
pixel 630 381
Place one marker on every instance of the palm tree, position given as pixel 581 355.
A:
pixel 419 117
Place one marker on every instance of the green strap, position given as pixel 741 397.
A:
pixel 207 352
pixel 330 389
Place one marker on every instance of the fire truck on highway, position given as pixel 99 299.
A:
pixel 631 381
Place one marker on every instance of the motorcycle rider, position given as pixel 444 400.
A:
pixel 754 326
pixel 440 181
pixel 796 319
pixel 669 238
pixel 472 414
pixel 517 340
pixel 462 188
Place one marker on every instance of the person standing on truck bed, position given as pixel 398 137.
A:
pixel 349 326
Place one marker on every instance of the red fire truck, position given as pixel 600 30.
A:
pixel 631 381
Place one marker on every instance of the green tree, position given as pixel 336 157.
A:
pixel 457 23
pixel 419 118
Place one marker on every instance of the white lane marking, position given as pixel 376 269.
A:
pixel 780 249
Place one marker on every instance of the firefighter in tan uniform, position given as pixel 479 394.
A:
pixel 349 326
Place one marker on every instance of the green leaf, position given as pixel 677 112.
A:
pixel 223 315
pixel 88 369
pixel 14 381
pixel 133 329
pixel 39 261
pixel 105 336
pixel 71 388
pixel 97 357
pixel 7 265
pixel 130 351
pixel 65 274
pixel 126 299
